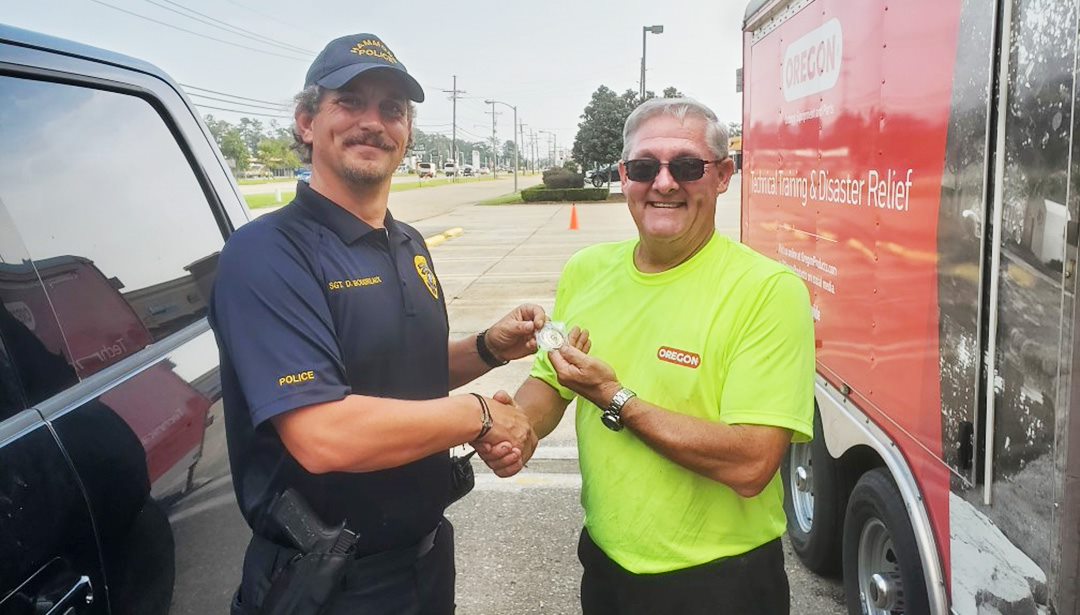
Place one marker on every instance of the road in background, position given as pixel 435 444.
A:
pixel 423 203
pixel 289 185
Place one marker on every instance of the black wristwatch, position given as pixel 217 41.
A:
pixel 612 415
pixel 485 353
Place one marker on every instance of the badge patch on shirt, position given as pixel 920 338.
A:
pixel 427 275
pixel 679 357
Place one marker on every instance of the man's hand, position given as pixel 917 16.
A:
pixel 514 336
pixel 587 376
pixel 510 442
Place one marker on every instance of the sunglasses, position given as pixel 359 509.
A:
pixel 681 169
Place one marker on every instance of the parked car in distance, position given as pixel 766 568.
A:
pixel 485 171
pixel 112 437
pixel 425 169
pixel 304 175
pixel 467 171
pixel 601 176
pixel 450 169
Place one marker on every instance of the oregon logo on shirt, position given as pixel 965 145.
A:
pixel 678 357
pixel 427 275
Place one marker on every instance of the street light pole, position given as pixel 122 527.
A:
pixel 645 30
pixel 492 103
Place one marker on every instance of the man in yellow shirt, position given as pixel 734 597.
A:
pixel 692 359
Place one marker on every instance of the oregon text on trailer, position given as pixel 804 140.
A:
pixel 915 163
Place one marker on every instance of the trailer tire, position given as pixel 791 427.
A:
pixel 883 573
pixel 815 519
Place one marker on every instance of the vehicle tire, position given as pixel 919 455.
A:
pixel 883 574
pixel 814 494
pixel 598 181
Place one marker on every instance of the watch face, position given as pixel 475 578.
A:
pixel 611 421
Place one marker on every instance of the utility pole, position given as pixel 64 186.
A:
pixel 532 141
pixel 494 140
pixel 552 140
pixel 521 131
pixel 454 93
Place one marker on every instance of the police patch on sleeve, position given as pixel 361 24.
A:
pixel 426 274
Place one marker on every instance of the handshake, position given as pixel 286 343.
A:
pixel 511 441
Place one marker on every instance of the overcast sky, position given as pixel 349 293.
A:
pixel 546 57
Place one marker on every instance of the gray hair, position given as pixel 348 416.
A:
pixel 716 134
pixel 307 102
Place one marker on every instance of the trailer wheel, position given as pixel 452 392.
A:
pixel 883 574
pixel 813 502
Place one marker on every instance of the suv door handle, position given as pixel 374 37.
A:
pixel 80 595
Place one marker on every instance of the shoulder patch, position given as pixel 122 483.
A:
pixel 426 275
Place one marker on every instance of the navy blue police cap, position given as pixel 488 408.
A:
pixel 343 59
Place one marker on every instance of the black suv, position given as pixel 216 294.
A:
pixel 603 175
pixel 115 492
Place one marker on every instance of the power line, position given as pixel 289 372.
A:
pixel 270 16
pixel 199 34
pixel 258 100
pixel 227 27
pixel 283 117
pixel 233 102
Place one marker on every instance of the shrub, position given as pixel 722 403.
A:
pixel 539 193
pixel 562 178
pixel 571 166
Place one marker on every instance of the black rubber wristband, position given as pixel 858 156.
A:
pixel 485 415
pixel 485 353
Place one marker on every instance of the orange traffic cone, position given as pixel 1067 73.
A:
pixel 573 217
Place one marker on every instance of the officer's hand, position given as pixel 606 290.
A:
pixel 585 375
pixel 511 441
pixel 514 336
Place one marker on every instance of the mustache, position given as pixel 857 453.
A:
pixel 370 139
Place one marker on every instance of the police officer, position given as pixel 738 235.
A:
pixel 335 360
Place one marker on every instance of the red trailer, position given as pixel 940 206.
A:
pixel 101 328
pixel 915 163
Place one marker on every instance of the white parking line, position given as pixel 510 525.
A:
pixel 527 480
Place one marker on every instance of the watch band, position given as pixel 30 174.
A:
pixel 612 415
pixel 485 353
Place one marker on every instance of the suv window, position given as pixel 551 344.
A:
pixel 32 350
pixel 116 225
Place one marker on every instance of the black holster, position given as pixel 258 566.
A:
pixel 308 581
pixel 305 585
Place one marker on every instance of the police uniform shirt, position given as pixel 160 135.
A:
pixel 312 304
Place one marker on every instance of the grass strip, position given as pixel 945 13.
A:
pixel 259 201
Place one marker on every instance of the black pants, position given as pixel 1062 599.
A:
pixel 753 583
pixel 422 587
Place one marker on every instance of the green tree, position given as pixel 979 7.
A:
pixel 734 129
pixel 599 136
pixel 671 92
pixel 507 154
pixel 277 154
pixel 217 127
pixel 252 132
pixel 234 148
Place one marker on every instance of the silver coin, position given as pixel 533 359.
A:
pixel 550 337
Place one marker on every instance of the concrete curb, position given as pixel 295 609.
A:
pixel 435 240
